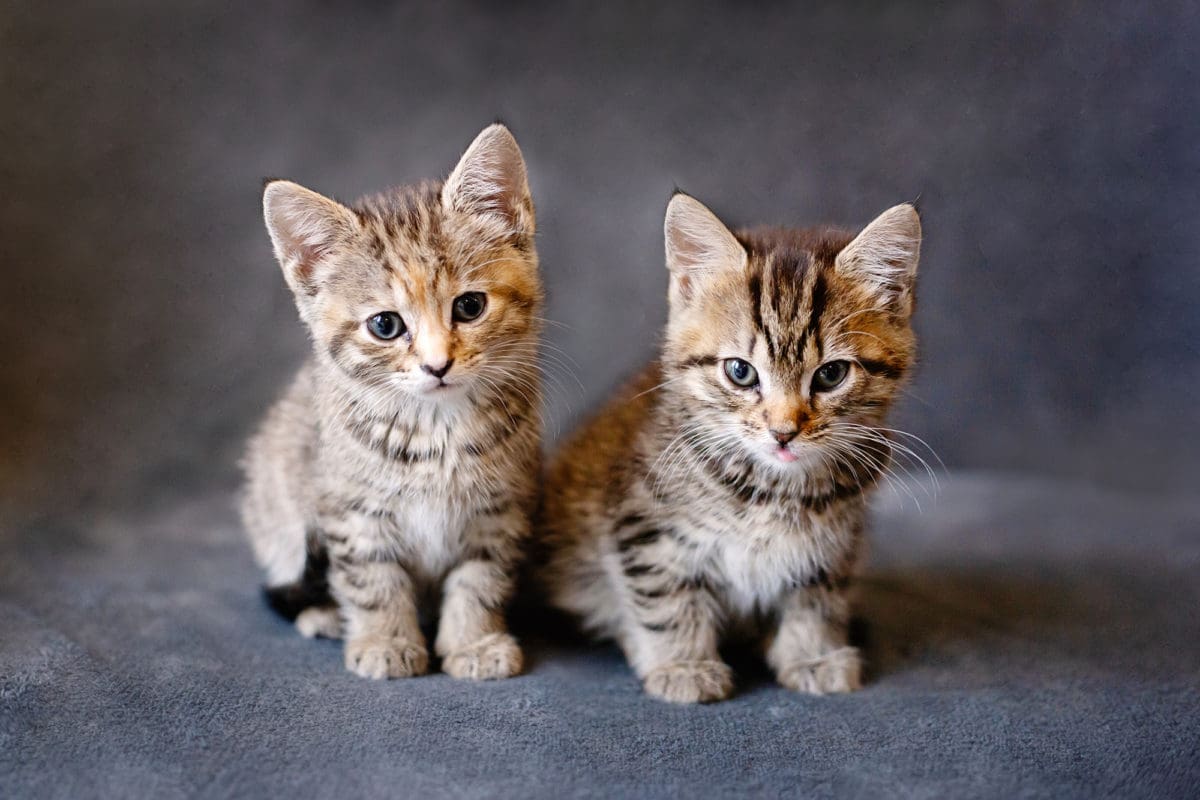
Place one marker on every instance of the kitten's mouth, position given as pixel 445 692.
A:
pixel 785 455
pixel 439 386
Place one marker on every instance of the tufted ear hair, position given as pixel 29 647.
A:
pixel 885 255
pixel 490 181
pixel 698 244
pixel 304 227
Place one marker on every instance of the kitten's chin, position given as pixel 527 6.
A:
pixel 433 391
pixel 790 460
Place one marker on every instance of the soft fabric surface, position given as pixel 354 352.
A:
pixel 1024 639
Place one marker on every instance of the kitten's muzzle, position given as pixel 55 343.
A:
pixel 438 370
pixel 784 435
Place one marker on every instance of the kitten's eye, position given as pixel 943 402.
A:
pixel 741 372
pixel 830 376
pixel 469 306
pixel 386 325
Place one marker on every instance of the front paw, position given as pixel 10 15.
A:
pixel 834 672
pixel 494 656
pixel 690 681
pixel 385 657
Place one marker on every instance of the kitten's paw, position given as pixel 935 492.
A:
pixel 385 657
pixel 494 656
pixel 323 621
pixel 690 681
pixel 834 672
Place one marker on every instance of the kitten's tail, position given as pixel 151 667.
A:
pixel 311 589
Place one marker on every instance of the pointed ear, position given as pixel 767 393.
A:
pixel 304 228
pixel 490 182
pixel 885 254
pixel 697 244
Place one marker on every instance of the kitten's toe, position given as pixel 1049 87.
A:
pixel 323 621
pixel 690 681
pixel 494 656
pixel 385 657
pixel 834 672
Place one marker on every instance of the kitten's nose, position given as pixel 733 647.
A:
pixel 438 370
pixel 783 435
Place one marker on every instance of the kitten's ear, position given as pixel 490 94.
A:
pixel 490 181
pixel 304 228
pixel 885 254
pixel 697 243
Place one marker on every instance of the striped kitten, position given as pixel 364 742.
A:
pixel 724 490
pixel 401 465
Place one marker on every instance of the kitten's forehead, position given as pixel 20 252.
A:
pixel 415 247
pixel 791 286
pixel 410 253
pixel 404 225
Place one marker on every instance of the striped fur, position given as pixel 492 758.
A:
pixel 407 466
pixel 674 519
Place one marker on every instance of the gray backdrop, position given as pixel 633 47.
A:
pixel 1053 147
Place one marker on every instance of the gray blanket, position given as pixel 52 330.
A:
pixel 1024 639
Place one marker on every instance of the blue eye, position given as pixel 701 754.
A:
pixel 830 376
pixel 386 325
pixel 742 373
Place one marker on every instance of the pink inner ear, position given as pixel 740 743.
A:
pixel 688 252
pixel 305 270
pixel 307 255
pixel 498 194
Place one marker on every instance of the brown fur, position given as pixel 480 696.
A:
pixel 671 519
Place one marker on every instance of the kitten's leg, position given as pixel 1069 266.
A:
pixel 671 635
pixel 473 639
pixel 378 603
pixel 809 651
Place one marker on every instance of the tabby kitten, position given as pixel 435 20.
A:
pixel 724 490
pixel 401 465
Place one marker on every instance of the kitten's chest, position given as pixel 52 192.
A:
pixel 430 532
pixel 762 557
pixel 425 459
pixel 417 486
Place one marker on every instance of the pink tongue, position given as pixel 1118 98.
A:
pixel 785 455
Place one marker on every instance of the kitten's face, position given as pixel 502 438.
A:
pixel 792 344
pixel 431 292
pixel 430 320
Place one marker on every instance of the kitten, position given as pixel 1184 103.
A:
pixel 402 463
pixel 725 488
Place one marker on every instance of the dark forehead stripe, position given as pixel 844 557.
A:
pixel 756 305
pixel 816 306
pixel 795 262
pixel 789 274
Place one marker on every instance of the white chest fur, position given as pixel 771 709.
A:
pixel 430 529
pixel 760 562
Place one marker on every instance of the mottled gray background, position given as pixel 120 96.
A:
pixel 144 325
